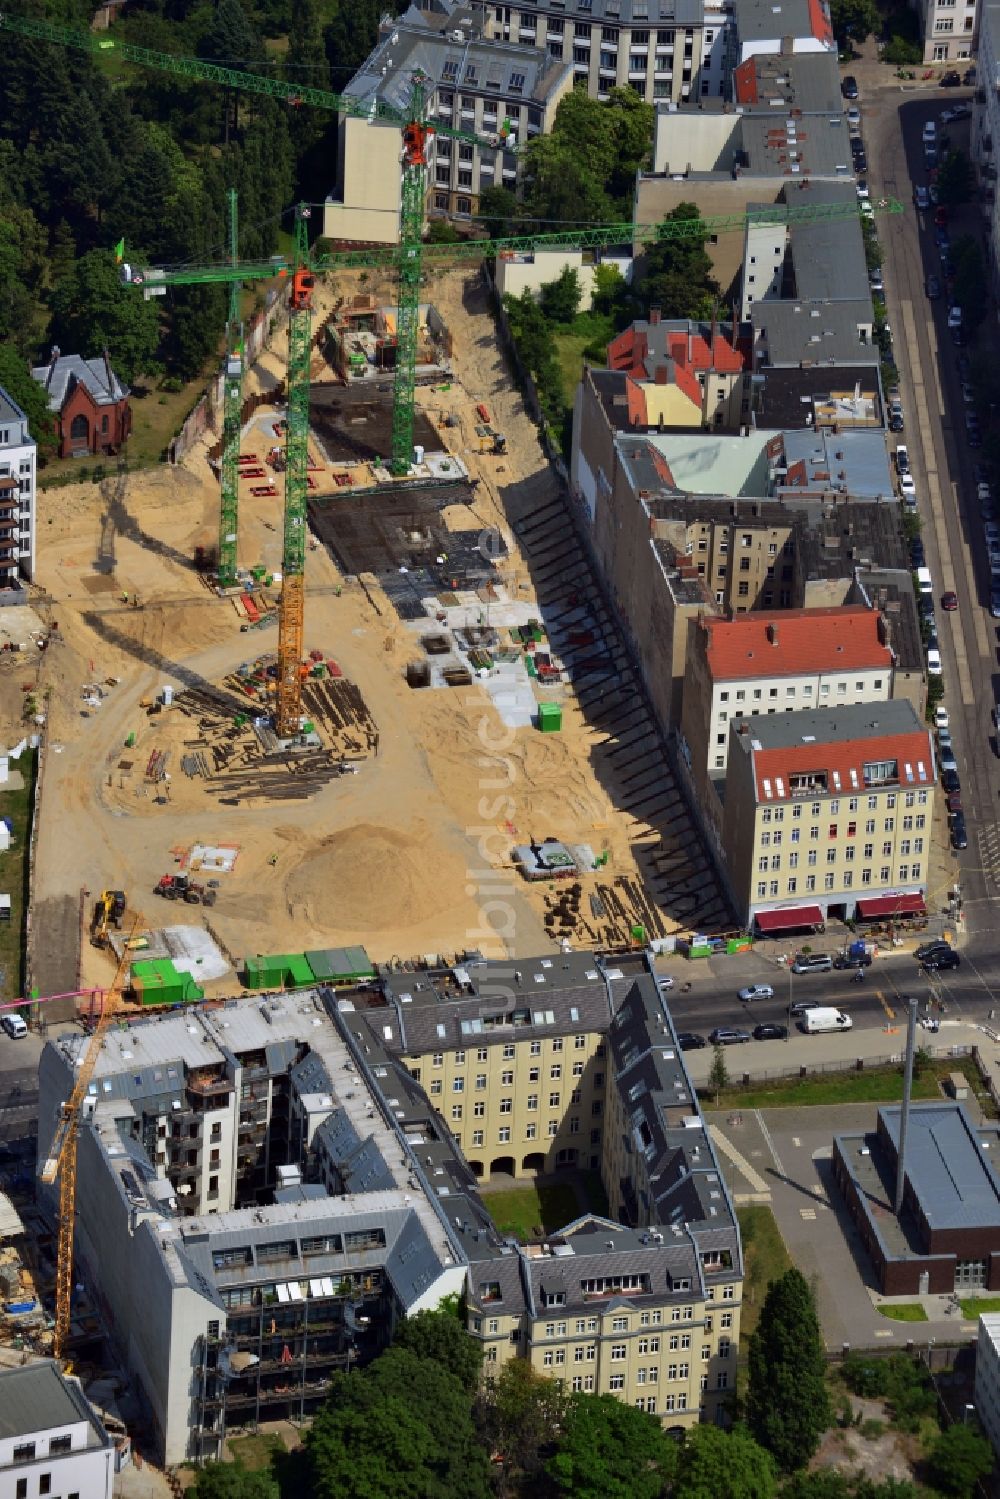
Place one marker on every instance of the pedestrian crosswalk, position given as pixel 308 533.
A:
pixel 988 838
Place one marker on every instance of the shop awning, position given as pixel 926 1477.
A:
pixel 788 918
pixel 881 906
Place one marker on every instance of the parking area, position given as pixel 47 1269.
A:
pixel 788 1153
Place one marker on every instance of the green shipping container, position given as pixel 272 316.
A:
pixel 298 974
pixel 549 718
pixel 340 965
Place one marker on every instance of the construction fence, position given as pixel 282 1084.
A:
pixel 206 416
pixel 524 380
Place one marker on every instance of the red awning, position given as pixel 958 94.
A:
pixel 788 918
pixel 891 905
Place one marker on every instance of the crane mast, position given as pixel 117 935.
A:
pixel 61 1160
pixel 232 410
pixel 291 617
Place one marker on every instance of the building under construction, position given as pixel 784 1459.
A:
pixel 360 340
pixel 265 1186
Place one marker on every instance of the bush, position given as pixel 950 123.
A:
pixel 902 53
pixel 872 1429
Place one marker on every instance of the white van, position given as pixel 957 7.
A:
pixel 15 1027
pixel 925 583
pixel 825 1018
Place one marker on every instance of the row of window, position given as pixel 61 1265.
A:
pixel 773 861
pixel 556 1044
pixel 832 809
pixel 757 693
pixel 766 888
pixel 773 839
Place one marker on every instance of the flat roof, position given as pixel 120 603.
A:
pixel 793 398
pixel 949 1173
pixel 832 725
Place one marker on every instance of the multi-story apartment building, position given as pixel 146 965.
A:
pixel 17 494
pixel 985 133
pixel 987 1393
pixel 947 29
pixel 491 90
pixel 769 663
pixel 265 1189
pixel 51 1441
pixel 828 813
pixel 663 49
pixel 643 1303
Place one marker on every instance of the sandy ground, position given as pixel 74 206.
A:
pixel 411 855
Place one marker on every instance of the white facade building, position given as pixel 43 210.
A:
pixel 985 135
pixel 51 1441
pixel 987 1391
pixel 17 494
pixel 947 28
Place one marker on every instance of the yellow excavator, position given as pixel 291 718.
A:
pixel 109 910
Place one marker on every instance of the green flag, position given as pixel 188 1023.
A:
pixel 120 250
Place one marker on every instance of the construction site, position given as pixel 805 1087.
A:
pixel 463 692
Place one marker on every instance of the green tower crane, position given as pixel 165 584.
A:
pixel 232 410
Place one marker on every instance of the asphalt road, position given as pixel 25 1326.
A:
pixel 892 122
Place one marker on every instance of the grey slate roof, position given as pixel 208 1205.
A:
pixel 831 725
pixel 821 144
pixel 829 254
pixel 854 463
pixel 817 332
pixel 417 43
pixel 10 411
pixel 762 20
pixel 952 1179
pixel 36 1398
pixel 70 369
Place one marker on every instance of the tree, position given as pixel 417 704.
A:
pixel 93 311
pixel 955 179
pixel 560 299
pixel 520 1416
pixel 231 1481
pixel 560 187
pixel 854 20
pixel 29 395
pixel 787 1403
pixel 718 1078
pixel 678 276
pixel 498 210
pixel 969 291
pixel 714 1462
pixel 400 1429
pixel 611 1451
pixel 609 289
pixel 441 1338
pixel 958 1460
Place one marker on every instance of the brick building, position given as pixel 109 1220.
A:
pixel 89 404
pixel 947 1237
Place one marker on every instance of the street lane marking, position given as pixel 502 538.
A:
pixel 739 1161
pixel 936 507
pixel 887 1007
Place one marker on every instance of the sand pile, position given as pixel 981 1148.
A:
pixel 373 878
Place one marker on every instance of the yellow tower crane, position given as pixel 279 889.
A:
pixel 61 1160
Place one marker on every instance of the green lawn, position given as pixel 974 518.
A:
pixel 877 1085
pixel 765 1258
pixel 14 876
pixel 910 1311
pixel 521 1211
pixel 258 1451
pixel 975 1306
pixel 569 347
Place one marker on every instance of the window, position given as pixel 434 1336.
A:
pixel 503 1134
pixel 22 1488
pixel 480 1081
pixel 477 1137
pixel 458 1085
pixel 532 1100
pixel 45 1483
pixel 555 1071
pixel 456 1111
pixel 506 1105
pixel 553 1128
pixel 554 1100
pixel 25 1453
pixel 530 1131
pixel 616 1382
pixel 479 1110
pixel 508 1050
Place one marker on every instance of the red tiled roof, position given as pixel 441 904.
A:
pixel 839 758
pixel 745 81
pixel 819 18
pixel 792 641
pixel 690 351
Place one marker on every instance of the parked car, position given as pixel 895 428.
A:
pixel 854 118
pixel 925 607
pixel 942 239
pixel 946 757
pixel 770 1031
pixel 902 456
pixel 813 962
pixel 950 781
pixel 942 722
pixel 895 421
pixel 933 288
pixel 951 79
pixel 954 316
pixel 726 1035
pixel 930 132
pixel 690 1041
pixel 861 187
pixel 929 949
pixel 974 436
pixel 949 601
pixel 802 1007
pixel 933 657
pixel 755 991
pixel 969 77
pixel 849 86
pixel 844 960
pixel 995 604
pixel 921 197
pixel 959 834
pixel 917 557
pixel 861 161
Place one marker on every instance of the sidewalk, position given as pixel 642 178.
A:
pixel 801 1054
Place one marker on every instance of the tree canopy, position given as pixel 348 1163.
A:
pixel 231 1481
pixel 713 1462
pixel 611 1451
pixel 678 276
pixel 787 1403
pixel 960 1457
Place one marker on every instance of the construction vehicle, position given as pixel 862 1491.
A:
pixel 61 1159
pixel 181 887
pixel 406 259
pixel 109 910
